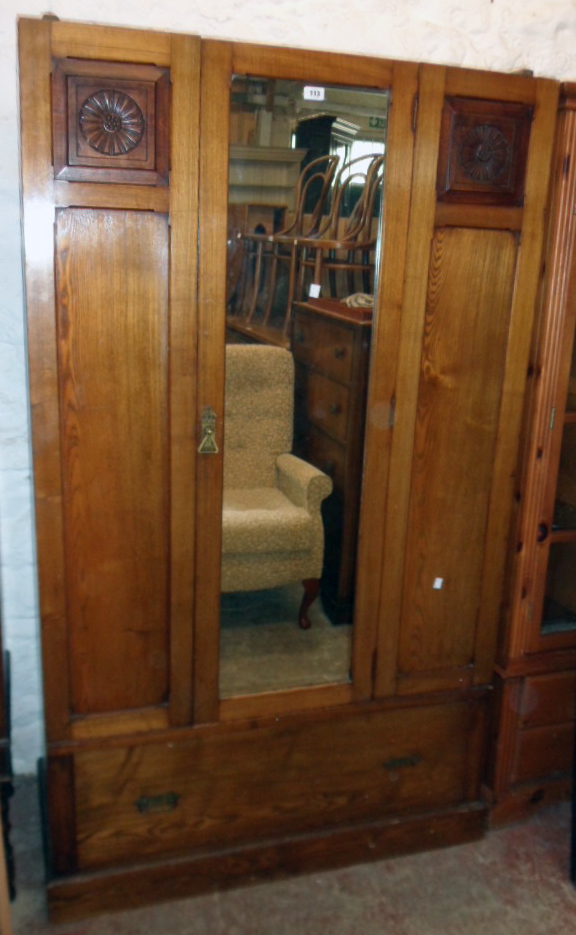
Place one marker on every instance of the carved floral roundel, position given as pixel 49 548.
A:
pixel 111 122
pixel 484 153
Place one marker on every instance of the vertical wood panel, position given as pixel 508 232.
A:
pixel 112 294
pixel 423 203
pixel 541 448
pixel 38 239
pixel 60 788
pixel 385 340
pixel 185 75
pixel 471 277
pixel 213 214
pixel 528 275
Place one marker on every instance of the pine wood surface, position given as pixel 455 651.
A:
pixel 528 273
pixel 113 397
pixel 216 73
pixel 464 345
pixel 541 450
pixel 78 896
pixel 184 176
pixel 405 392
pixel 374 668
pixel 535 740
pixel 121 197
pixel 284 778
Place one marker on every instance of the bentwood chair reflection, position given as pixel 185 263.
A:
pixel 347 243
pixel 257 285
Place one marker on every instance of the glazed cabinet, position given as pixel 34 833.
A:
pixel 197 736
pixel 536 663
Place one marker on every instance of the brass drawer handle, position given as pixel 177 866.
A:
pixel 339 353
pixel 403 761
pixel 335 409
pixel 157 803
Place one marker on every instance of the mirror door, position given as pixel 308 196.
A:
pixel 290 248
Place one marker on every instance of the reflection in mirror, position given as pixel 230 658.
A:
pixel 306 172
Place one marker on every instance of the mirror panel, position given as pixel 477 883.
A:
pixel 306 169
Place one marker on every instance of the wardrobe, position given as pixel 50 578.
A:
pixel 156 782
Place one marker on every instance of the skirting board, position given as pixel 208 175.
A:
pixel 129 887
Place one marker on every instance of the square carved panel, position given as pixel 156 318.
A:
pixel 483 151
pixel 110 122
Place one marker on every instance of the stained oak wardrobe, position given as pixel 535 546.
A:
pixel 161 778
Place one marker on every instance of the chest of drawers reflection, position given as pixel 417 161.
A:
pixel 331 346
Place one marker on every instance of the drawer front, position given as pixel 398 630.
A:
pixel 544 752
pixel 327 455
pixel 327 405
pixel 324 345
pixel 548 699
pixel 231 786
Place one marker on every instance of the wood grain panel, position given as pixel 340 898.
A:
pixel 79 40
pixel 310 66
pixel 57 781
pixel 381 390
pixel 548 699
pixel 543 751
pixel 120 197
pixel 528 278
pixel 127 888
pixel 241 785
pixel 112 309
pixel 185 72
pixel 212 232
pixel 402 358
pixel 471 279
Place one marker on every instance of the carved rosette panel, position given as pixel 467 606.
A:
pixel 110 122
pixel 483 152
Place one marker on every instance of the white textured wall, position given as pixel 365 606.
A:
pixel 495 34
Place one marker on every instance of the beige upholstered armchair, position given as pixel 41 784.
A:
pixel 272 525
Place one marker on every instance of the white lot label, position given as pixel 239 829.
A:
pixel 313 94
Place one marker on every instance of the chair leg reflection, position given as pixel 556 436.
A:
pixel 311 591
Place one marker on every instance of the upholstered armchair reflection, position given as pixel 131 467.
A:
pixel 273 533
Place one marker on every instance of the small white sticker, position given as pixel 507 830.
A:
pixel 313 94
pixel 314 290
pixel 438 584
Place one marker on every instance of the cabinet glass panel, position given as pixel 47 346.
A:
pixel 306 175
pixel 565 504
pixel 559 611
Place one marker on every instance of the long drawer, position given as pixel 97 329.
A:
pixel 326 346
pixel 327 404
pixel 230 786
pixel 548 699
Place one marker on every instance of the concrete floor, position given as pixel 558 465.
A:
pixel 513 882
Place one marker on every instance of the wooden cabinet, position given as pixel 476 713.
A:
pixel 331 347
pixel 536 663
pixel 155 784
